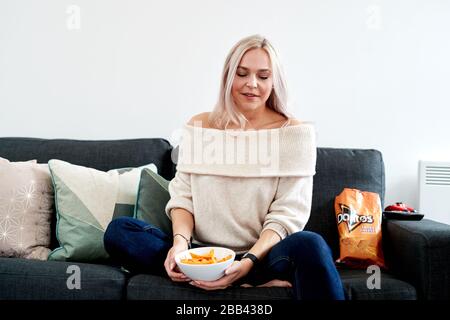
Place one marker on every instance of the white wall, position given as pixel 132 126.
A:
pixel 371 74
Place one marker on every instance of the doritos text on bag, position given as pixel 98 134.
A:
pixel 358 217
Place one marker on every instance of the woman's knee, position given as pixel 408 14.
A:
pixel 126 234
pixel 310 244
pixel 117 231
pixel 116 227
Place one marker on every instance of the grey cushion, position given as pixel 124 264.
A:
pixel 22 279
pixel 153 195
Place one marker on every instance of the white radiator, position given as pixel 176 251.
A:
pixel 434 190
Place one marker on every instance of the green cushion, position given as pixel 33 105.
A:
pixel 152 198
pixel 86 201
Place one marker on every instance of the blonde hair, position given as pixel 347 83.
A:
pixel 225 109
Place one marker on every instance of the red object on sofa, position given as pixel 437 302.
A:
pixel 399 206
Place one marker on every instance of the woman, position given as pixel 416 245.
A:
pixel 257 205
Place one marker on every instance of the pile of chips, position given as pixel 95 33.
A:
pixel 208 258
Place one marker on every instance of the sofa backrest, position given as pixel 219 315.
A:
pixel 98 154
pixel 337 169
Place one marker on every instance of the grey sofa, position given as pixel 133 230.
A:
pixel 417 252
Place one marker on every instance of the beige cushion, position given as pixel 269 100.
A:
pixel 26 207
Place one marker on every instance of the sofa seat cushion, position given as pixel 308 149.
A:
pixel 391 288
pixel 23 279
pixel 152 287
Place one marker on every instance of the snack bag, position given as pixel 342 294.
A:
pixel 358 217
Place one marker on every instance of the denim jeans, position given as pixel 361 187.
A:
pixel 302 258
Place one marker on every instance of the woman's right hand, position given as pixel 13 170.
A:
pixel 171 267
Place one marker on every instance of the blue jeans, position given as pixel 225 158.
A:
pixel 302 258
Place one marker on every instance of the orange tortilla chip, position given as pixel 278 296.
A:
pixel 208 258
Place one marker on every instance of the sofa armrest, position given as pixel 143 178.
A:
pixel 419 253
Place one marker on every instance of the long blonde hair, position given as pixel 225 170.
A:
pixel 225 109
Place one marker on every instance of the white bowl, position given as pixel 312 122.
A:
pixel 205 272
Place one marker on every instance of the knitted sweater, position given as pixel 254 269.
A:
pixel 239 183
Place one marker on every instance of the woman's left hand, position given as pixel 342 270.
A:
pixel 234 272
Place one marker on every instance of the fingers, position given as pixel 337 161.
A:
pixel 233 268
pixel 171 269
pixel 231 274
pixel 177 276
pixel 221 283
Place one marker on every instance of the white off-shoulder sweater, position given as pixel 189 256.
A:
pixel 239 183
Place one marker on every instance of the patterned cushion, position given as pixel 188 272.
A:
pixel 26 207
pixel 86 201
pixel 153 196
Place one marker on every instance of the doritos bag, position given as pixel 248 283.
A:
pixel 358 216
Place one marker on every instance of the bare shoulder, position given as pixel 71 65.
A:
pixel 202 118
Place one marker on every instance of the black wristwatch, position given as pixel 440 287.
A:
pixel 250 256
